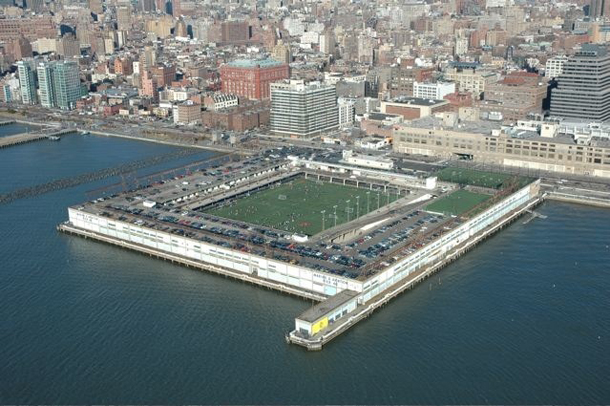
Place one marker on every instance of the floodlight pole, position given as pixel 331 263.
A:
pixel 347 209
pixel 368 201
pixel 323 211
pixel 335 207
pixel 357 206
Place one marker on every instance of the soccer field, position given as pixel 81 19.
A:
pixel 473 177
pixel 296 206
pixel 457 203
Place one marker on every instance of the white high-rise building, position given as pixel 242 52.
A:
pixel 46 90
pixel 27 80
pixel 303 109
pixel 461 46
pixel 347 111
pixel 554 66
pixel 327 43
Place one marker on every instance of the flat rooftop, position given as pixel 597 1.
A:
pixel 321 309
pixel 417 101
pixel 381 116
pixel 476 127
pixel 254 63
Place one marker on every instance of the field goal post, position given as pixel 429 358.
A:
pixel 282 197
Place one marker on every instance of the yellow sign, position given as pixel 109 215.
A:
pixel 322 324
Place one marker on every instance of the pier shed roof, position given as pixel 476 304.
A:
pixel 322 309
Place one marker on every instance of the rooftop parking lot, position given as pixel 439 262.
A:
pixel 388 228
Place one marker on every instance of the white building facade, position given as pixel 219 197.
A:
pixel 554 66
pixel 302 109
pixel 347 111
pixel 435 91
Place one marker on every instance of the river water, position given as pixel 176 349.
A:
pixel 523 318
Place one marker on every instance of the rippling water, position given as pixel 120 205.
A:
pixel 524 318
pixel 13 129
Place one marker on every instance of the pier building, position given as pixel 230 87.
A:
pixel 348 237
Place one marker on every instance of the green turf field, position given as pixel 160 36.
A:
pixel 472 177
pixel 296 206
pixel 457 203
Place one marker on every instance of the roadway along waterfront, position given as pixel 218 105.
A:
pixel 523 318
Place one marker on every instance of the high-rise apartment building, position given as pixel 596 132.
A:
pixel 68 46
pixel 303 109
pixel 150 88
pixel 327 42
pixel 176 8
pixel 235 32
pixel 583 89
pixel 347 111
pixel 19 48
pixel 46 89
pixel 146 6
pixel 554 66
pixel 600 8
pixel 66 78
pixel 281 52
pixel 123 17
pixel 27 80
pixel 148 58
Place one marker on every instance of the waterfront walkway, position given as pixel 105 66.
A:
pixel 23 138
pixel 579 196
pixel 18 139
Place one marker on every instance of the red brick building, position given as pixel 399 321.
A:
pixel 235 32
pixel 150 87
pixel 164 74
pixel 123 66
pixel 459 99
pixel 238 118
pixel 251 78
pixel 31 28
